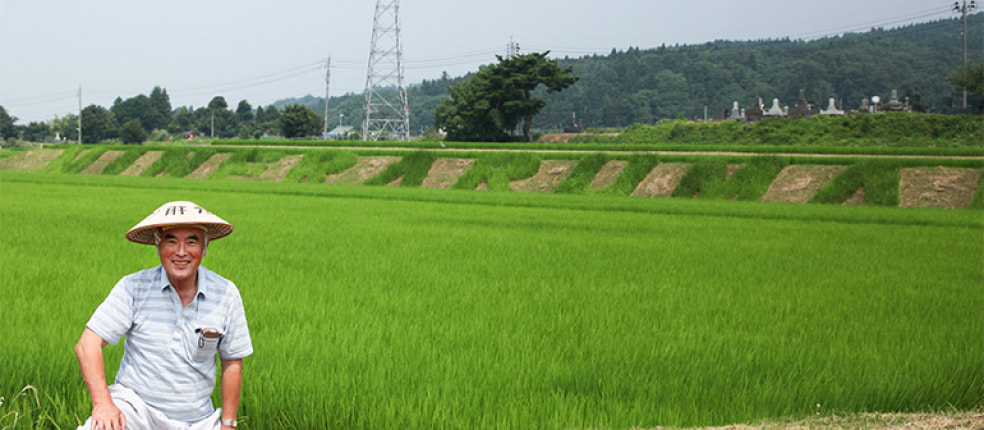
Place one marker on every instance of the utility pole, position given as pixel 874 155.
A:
pixel 513 49
pixel 387 115
pixel 80 114
pixel 324 134
pixel 963 9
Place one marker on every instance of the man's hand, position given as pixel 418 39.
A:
pixel 106 416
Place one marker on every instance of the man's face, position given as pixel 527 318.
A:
pixel 181 252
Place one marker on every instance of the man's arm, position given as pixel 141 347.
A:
pixel 232 382
pixel 105 414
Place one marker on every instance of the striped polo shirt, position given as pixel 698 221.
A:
pixel 164 359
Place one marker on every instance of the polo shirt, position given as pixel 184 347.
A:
pixel 164 360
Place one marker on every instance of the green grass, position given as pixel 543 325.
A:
pixel 707 179
pixel 978 201
pixel 498 169
pixel 311 168
pixel 64 162
pixel 178 162
pixel 708 173
pixel 634 172
pixel 879 179
pixel 380 307
pixel 413 169
pixel 121 163
pixel 580 178
pixel 250 163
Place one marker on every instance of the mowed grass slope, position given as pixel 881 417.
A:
pixel 410 308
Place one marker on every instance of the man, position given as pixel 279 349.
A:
pixel 175 317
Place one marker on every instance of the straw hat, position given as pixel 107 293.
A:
pixel 174 214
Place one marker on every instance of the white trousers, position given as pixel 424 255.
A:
pixel 140 416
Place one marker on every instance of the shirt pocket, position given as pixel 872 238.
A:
pixel 205 344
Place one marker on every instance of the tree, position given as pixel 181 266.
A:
pixel 138 108
pixel 244 112
pixel 7 128
pixel 160 104
pixel 98 124
pixel 298 121
pixel 523 74
pixel 67 127
pixel 133 132
pixel 468 115
pixel 490 104
pixel 36 131
pixel 970 77
pixel 224 120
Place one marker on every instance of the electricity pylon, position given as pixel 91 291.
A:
pixel 387 111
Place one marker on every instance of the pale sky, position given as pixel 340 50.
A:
pixel 264 51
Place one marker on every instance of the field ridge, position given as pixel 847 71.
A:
pixel 922 184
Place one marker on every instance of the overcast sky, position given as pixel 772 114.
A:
pixel 264 51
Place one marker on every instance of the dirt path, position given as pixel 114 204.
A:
pixel 796 184
pixel 100 164
pixel 142 163
pixel 365 169
pixel 551 174
pixel 31 161
pixel 209 166
pixel 446 171
pixel 868 421
pixel 941 187
pixel 661 181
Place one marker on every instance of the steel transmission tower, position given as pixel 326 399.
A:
pixel 387 111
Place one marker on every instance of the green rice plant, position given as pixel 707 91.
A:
pixel 879 178
pixel 497 169
pixel 121 163
pixel 634 172
pixel 579 180
pixel 420 309
pixel 706 179
pixel 413 168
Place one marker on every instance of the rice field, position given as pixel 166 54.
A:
pixel 377 307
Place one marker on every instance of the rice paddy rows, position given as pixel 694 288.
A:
pixel 396 307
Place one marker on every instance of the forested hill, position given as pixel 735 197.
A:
pixel 646 85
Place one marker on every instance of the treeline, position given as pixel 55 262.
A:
pixel 634 86
pixel 672 82
pixel 151 118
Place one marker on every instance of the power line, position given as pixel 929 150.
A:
pixel 911 18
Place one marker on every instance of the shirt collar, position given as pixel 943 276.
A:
pixel 202 281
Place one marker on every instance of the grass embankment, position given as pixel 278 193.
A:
pixel 889 130
pixel 729 176
pixel 890 134
pixel 380 307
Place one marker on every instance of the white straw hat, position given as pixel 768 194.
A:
pixel 177 214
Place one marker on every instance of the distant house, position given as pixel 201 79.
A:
pixel 340 132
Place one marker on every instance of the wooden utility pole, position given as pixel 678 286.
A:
pixel 80 114
pixel 963 9
pixel 324 134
